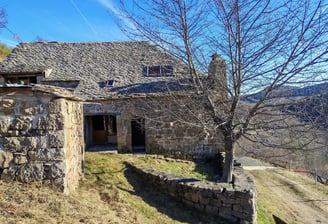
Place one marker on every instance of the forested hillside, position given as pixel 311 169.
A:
pixel 4 51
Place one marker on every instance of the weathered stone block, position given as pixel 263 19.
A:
pixel 19 144
pixel 9 174
pixel 49 154
pixel 56 170
pixel 7 103
pixel 226 212
pixel 188 203
pixel 199 207
pixel 247 204
pixel 13 144
pixel 51 122
pixel 31 143
pixel 21 123
pixel 187 195
pixel 30 172
pixel 215 202
pixel 55 106
pixel 237 208
pixel 5 159
pixel 7 106
pixel 56 139
pixel 20 158
pixel 31 107
pixel 212 209
pixel 13 133
pixel 194 197
pixel 4 126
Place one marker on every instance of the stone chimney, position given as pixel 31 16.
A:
pixel 217 78
pixel 217 68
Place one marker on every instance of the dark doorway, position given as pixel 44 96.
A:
pixel 100 132
pixel 99 129
pixel 138 135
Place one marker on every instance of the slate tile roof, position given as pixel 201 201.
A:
pixel 88 64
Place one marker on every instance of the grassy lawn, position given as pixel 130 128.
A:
pixel 108 193
pixel 107 174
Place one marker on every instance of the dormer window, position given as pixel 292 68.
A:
pixel 108 83
pixel 158 71
pixel 21 80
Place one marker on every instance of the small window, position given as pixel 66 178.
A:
pixel 154 70
pixel 158 71
pixel 110 82
pixel 21 80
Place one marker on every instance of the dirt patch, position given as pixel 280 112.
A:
pixel 297 201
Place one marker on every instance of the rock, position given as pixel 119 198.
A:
pixel 8 174
pixel 56 171
pixel 56 139
pixel 31 108
pixel 51 122
pixel 4 125
pixel 22 123
pixel 55 106
pixel 7 106
pixel 20 159
pixel 30 172
pixel 13 143
pixel 5 159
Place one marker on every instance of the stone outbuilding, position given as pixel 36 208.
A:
pixel 41 136
pixel 117 95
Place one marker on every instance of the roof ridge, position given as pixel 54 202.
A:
pixel 83 43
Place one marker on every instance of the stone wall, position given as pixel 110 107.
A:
pixel 41 138
pixel 235 203
pixel 164 134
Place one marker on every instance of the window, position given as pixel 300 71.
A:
pixel 158 71
pixel 110 82
pixel 21 80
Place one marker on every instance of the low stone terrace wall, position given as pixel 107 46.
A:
pixel 235 203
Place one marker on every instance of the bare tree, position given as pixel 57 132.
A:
pixel 3 17
pixel 267 45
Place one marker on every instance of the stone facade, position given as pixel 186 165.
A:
pixel 41 138
pixel 233 202
pixel 126 86
pixel 163 133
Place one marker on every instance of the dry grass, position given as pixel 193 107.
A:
pixel 108 194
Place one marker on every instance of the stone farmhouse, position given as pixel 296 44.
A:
pixel 59 99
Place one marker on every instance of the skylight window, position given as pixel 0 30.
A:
pixel 110 82
pixel 158 71
pixel 107 83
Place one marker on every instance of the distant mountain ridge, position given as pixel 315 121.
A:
pixel 290 91
pixel 310 106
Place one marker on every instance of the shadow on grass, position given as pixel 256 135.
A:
pixel 210 169
pixel 166 204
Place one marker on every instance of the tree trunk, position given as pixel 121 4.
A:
pixel 229 157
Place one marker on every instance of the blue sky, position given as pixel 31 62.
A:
pixel 59 20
